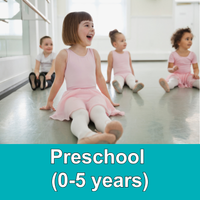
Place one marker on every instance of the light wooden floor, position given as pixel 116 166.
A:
pixel 152 116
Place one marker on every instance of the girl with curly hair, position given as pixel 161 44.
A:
pixel 180 62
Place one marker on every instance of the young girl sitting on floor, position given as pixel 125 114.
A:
pixel 121 62
pixel 45 62
pixel 180 63
pixel 81 69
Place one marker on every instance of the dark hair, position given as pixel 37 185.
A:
pixel 70 27
pixel 112 35
pixel 41 39
pixel 176 37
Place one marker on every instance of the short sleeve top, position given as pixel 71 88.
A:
pixel 184 63
pixel 45 62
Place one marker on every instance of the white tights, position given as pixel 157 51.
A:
pixel 196 83
pixel 80 121
pixel 130 80
pixel 173 82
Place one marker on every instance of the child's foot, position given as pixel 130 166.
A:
pixel 164 84
pixel 99 138
pixel 115 128
pixel 42 81
pixel 32 80
pixel 138 87
pixel 117 87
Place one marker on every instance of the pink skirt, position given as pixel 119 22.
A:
pixel 73 100
pixel 184 80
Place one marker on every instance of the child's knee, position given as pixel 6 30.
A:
pixel 98 109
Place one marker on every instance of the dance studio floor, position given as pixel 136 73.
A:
pixel 151 115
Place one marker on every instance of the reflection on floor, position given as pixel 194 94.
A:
pixel 152 116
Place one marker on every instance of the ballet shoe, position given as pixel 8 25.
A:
pixel 115 128
pixel 164 84
pixel 98 138
pixel 137 87
pixel 32 80
pixel 42 81
pixel 117 87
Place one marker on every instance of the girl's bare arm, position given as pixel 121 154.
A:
pixel 60 65
pixel 196 70
pixel 172 68
pixel 130 61
pixel 37 68
pixel 110 66
pixel 100 79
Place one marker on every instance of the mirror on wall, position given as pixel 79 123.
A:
pixel 10 9
pixel 14 33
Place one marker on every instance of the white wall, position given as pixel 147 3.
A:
pixel 187 15
pixel 150 25
pixel 13 45
pixel 13 70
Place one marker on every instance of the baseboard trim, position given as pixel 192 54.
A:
pixel 12 89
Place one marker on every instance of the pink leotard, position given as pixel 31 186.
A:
pixel 80 77
pixel 183 74
pixel 121 64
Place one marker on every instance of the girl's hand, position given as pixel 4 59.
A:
pixel 175 68
pixel 48 77
pixel 136 80
pixel 115 104
pixel 49 106
pixel 195 76
pixel 107 81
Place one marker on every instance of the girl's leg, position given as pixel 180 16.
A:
pixel 130 81
pixel 99 117
pixel 80 129
pixel 164 84
pixel 104 124
pixel 173 82
pixel 79 125
pixel 50 82
pixel 118 83
pixel 196 83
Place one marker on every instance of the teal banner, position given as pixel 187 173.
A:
pixel 99 172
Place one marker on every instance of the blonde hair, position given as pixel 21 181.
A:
pixel 70 27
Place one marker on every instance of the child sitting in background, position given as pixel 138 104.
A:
pixel 180 63
pixel 45 62
pixel 121 62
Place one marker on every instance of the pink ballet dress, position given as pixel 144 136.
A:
pixel 121 64
pixel 183 74
pixel 80 77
